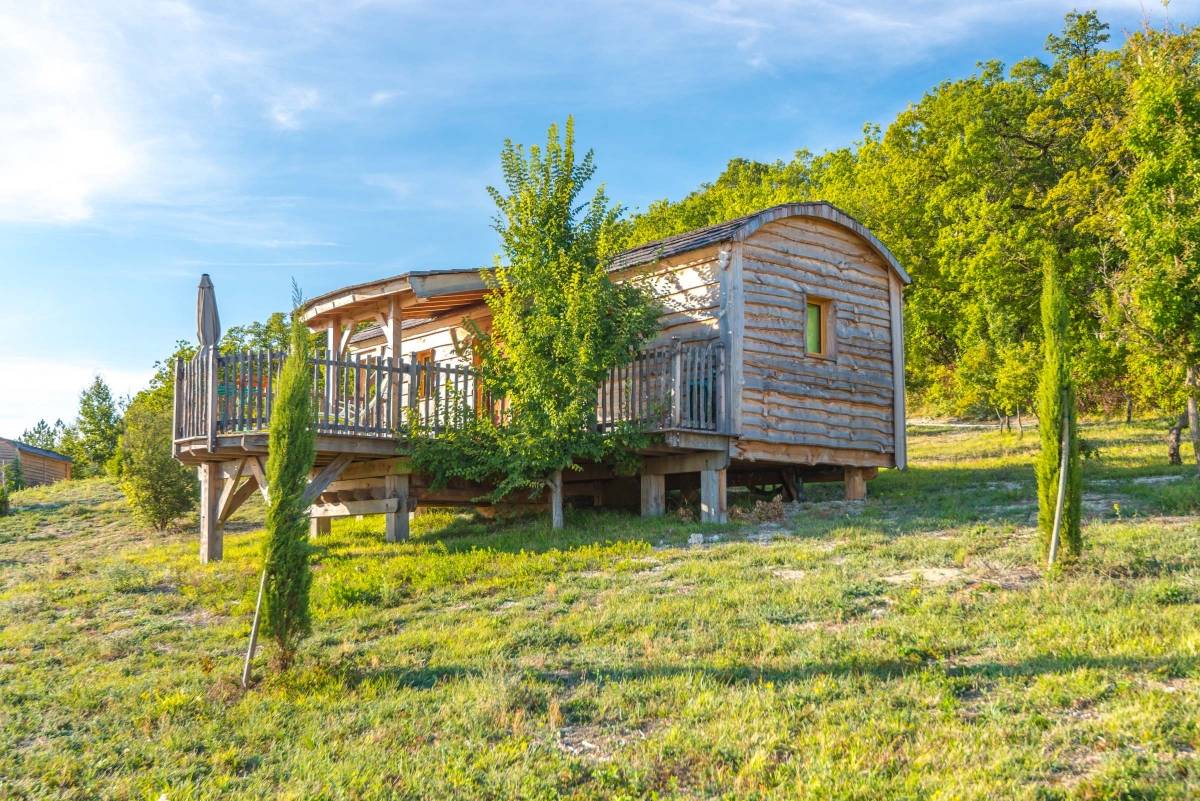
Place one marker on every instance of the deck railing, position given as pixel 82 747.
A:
pixel 676 386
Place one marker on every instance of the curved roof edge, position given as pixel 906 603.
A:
pixel 739 229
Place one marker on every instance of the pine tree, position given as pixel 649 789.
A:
pixel 92 441
pixel 4 502
pixel 44 435
pixel 1054 391
pixel 15 475
pixel 291 449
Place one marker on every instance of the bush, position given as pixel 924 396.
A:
pixel 4 506
pixel 159 489
pixel 14 475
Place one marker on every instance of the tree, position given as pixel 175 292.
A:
pixel 92 440
pixel 291 451
pixel 15 475
pixel 4 500
pixel 44 435
pixel 1056 417
pixel 158 487
pixel 559 325
pixel 1161 205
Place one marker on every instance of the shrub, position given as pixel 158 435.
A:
pixel 15 475
pixel 159 489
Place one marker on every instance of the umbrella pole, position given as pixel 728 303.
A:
pixel 262 586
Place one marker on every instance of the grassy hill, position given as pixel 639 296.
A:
pixel 905 648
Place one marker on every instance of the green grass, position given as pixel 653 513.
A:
pixel 905 648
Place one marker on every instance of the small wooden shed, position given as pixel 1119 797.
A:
pixel 38 465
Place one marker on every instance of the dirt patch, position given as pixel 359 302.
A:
pixel 595 743
pixel 933 576
pixel 788 574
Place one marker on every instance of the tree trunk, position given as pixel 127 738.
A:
pixel 1173 437
pixel 1193 410
pixel 1020 423
pixel 1128 409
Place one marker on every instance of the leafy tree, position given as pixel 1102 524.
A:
pixel 558 325
pixel 44 435
pixel 272 334
pixel 92 441
pixel 14 475
pixel 159 488
pixel 1161 204
pixel 291 451
pixel 1056 399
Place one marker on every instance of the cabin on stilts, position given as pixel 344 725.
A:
pixel 780 360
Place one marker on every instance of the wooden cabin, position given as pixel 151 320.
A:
pixel 38 465
pixel 780 360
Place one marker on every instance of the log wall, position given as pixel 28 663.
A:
pixel 37 469
pixel 806 408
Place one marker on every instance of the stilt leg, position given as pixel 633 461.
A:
pixel 712 497
pixel 396 523
pixel 212 533
pixel 654 495
pixel 318 526
pixel 856 484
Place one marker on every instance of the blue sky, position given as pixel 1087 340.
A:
pixel 144 142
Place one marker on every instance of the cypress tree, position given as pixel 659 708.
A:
pixel 291 453
pixel 1055 390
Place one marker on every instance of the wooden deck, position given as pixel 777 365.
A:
pixel 366 408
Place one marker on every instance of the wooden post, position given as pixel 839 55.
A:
pixel 211 361
pixel 211 530
pixel 318 526
pixel 856 483
pixel 676 382
pixel 396 521
pixel 556 500
pixel 176 408
pixel 654 495
pixel 712 497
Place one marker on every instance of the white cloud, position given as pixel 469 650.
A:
pixel 63 141
pixel 50 389
pixel 384 97
pixel 285 110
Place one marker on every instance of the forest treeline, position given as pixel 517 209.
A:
pixel 1090 154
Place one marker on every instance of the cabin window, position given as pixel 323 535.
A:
pixel 425 359
pixel 817 327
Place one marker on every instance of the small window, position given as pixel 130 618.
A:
pixel 817 327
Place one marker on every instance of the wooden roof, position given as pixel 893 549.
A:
pixel 30 449
pixel 739 229
pixel 428 294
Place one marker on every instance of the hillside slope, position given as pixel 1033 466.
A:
pixel 904 648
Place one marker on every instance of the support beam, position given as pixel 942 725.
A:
pixel 556 500
pixel 712 497
pixel 257 470
pixel 856 483
pixel 318 526
pixel 212 533
pixel 396 521
pixel 326 477
pixel 685 463
pixel 654 495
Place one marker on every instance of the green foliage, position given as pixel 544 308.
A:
pixel 273 334
pixel 159 489
pixel 1056 397
pixel 44 435
pixel 558 326
pixel 4 499
pixel 14 475
pixel 91 441
pixel 291 451
pixel 970 184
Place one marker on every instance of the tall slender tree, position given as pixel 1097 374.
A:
pixel 291 446
pixel 1056 419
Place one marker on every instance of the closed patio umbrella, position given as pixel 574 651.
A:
pixel 208 323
